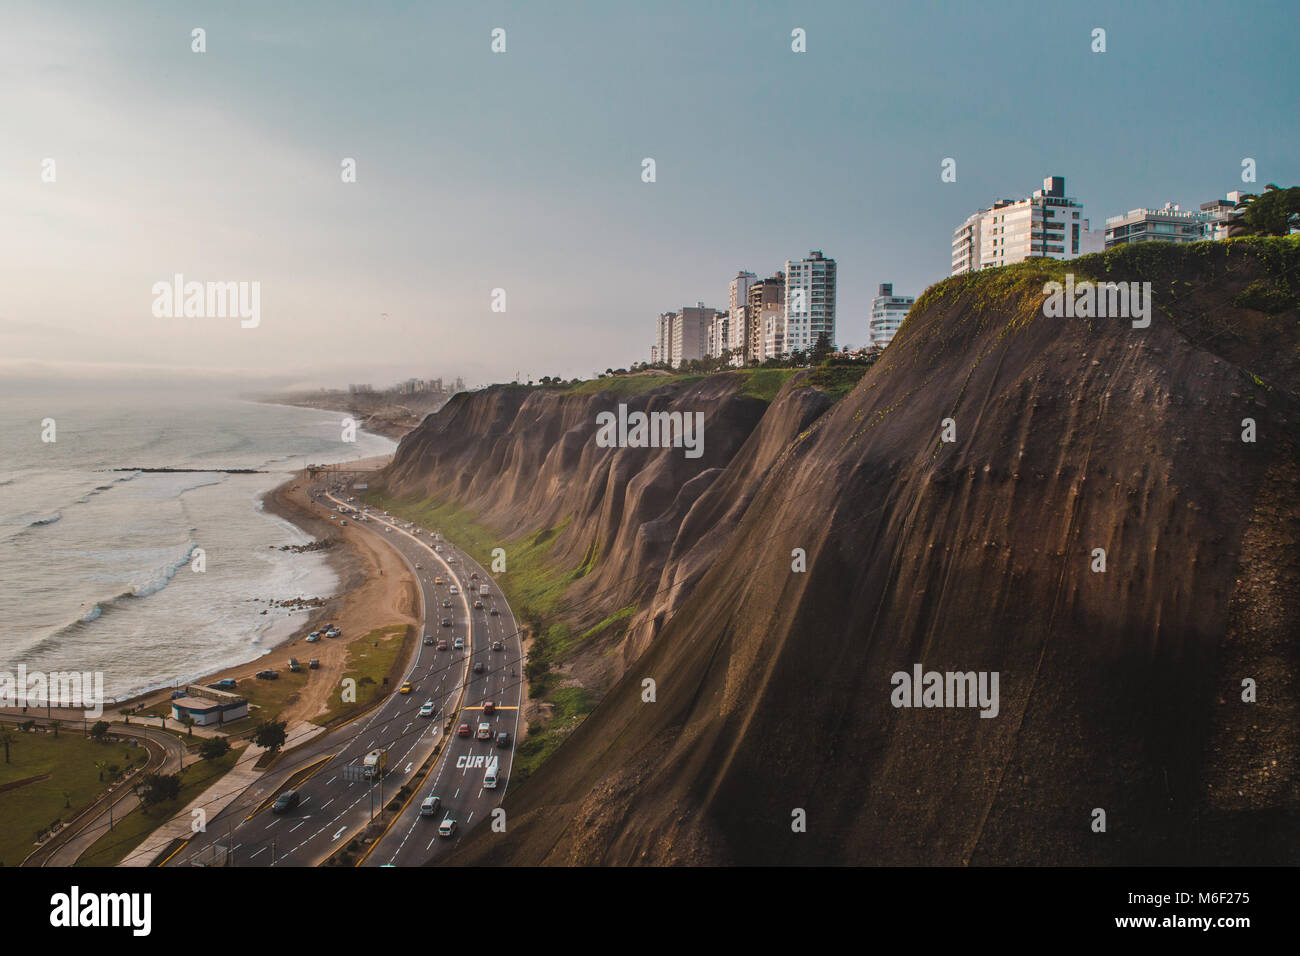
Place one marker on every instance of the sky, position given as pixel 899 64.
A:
pixel 522 170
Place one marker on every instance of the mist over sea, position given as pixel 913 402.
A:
pixel 95 563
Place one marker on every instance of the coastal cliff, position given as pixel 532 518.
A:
pixel 1121 683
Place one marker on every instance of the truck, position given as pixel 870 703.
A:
pixel 374 763
pixel 483 590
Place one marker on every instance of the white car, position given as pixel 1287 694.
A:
pixel 484 731
pixel 427 709
pixel 447 827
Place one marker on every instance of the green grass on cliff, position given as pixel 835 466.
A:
pixel 532 583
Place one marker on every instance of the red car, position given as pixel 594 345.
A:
pixel 489 707
pixel 442 645
pixel 462 730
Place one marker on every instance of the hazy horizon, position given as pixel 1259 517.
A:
pixel 522 170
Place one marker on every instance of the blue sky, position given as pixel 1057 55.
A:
pixel 522 170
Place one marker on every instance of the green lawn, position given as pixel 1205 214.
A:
pixel 73 783
pixel 129 832
pixel 368 665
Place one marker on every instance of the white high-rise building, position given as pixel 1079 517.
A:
pixel 809 302
pixel 719 333
pixel 1048 223
pixel 738 316
pixel 887 314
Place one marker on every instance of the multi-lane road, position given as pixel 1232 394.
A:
pixel 336 802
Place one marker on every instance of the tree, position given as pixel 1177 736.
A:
pixel 188 721
pixel 97 731
pixel 6 738
pixel 101 766
pixel 821 350
pixel 214 747
pixel 154 788
pixel 1275 212
pixel 270 735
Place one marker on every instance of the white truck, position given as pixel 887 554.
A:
pixel 374 763
pixel 483 590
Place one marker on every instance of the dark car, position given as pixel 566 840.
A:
pixel 494 612
pixel 286 802
pixel 446 622
pixel 268 675
pixel 428 639
pixel 489 707
pixel 503 739
pixel 446 602
pixel 226 684
pixel 498 646
pixel 478 667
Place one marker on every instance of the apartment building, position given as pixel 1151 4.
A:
pixel 719 333
pixel 809 301
pixel 689 339
pixel 766 305
pixel 738 316
pixel 1170 223
pixel 1047 223
pixel 887 314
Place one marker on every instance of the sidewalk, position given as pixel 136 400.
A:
pixel 216 798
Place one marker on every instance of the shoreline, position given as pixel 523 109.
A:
pixel 361 595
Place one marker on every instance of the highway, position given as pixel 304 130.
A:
pixel 335 802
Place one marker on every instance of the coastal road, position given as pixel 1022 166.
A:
pixel 459 777
pixel 335 803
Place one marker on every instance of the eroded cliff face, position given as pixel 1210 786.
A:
pixel 1119 690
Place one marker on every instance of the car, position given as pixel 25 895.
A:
pixel 438 579
pixel 494 612
pixel 498 646
pixel 286 802
pixel 484 731
pixel 426 709
pixel 419 567
pixel 473 575
pixel 503 739
pixel 447 827
pixel 268 675
pixel 226 684
pixel 478 605
pixel 313 638
pixel 462 730
pixel 442 645
pixel 446 602
pixel 387 530
pixel 430 805
pixel 460 643
pixel 446 622
pixel 314 663
pixel 478 667
pixel 452 590
pixel 333 632
pixel 178 693
pixel 489 707
pixel 428 638
pixel 437 547
pixel 405 688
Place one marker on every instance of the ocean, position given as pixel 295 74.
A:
pixel 97 564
